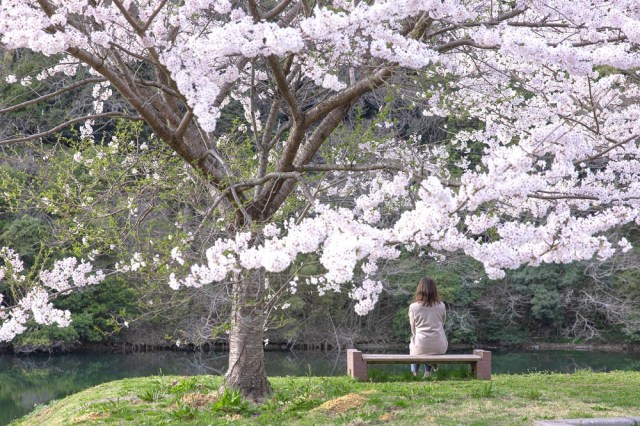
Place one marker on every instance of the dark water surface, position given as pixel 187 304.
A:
pixel 28 381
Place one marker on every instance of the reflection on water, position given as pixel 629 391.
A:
pixel 27 381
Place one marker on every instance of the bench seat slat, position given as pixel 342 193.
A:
pixel 410 359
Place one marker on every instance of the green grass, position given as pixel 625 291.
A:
pixel 446 399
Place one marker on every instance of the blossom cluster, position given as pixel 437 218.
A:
pixel 35 305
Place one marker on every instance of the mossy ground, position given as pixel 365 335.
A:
pixel 447 399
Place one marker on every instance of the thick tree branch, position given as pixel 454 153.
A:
pixel 135 25
pixel 139 104
pixel 47 7
pixel 153 15
pixel 184 124
pixel 265 146
pixel 348 95
pixel 320 135
pixel 275 11
pixel 285 91
pixel 593 107
pixel 274 194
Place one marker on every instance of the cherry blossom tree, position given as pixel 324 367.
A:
pixel 553 86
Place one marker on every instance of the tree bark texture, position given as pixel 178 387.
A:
pixel 246 371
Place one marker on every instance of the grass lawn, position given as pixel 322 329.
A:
pixel 448 398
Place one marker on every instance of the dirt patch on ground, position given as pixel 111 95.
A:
pixel 44 413
pixel 387 417
pixel 233 417
pixel 199 400
pixel 90 417
pixel 130 398
pixel 343 403
pixel 391 414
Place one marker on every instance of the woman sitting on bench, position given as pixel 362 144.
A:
pixel 427 315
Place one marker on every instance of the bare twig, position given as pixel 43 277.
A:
pixel 65 89
pixel 67 124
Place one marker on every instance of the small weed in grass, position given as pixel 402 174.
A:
pixel 273 404
pixel 380 376
pixel 580 415
pixel 184 412
pixel 369 417
pixel 377 401
pixel 160 384
pixel 485 391
pixel 117 407
pixel 183 386
pixel 451 373
pixel 232 402
pixel 150 395
pixel 401 403
pixel 303 403
pixel 332 388
pixel 159 388
pixel 599 408
pixel 533 394
pixel 481 423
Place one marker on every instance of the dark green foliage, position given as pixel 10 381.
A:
pixel 495 331
pixel 531 302
pixel 23 235
pixel 543 286
pixel 94 310
pixel 43 193
pixel 45 338
pixel 37 117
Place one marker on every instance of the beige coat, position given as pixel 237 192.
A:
pixel 427 329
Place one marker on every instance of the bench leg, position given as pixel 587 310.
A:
pixel 356 366
pixel 482 369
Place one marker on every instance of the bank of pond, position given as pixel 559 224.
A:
pixel 26 382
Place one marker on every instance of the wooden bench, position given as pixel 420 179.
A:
pixel 357 362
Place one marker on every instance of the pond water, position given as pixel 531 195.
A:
pixel 28 381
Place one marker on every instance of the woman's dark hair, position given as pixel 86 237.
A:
pixel 427 292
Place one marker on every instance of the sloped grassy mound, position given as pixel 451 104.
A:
pixel 507 399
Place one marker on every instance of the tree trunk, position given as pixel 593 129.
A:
pixel 246 371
